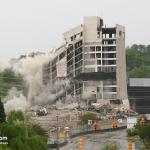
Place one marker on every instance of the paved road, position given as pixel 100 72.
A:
pixel 97 141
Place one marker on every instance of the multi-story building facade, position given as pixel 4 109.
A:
pixel 93 57
pixel 139 94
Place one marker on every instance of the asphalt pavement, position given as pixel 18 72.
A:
pixel 96 141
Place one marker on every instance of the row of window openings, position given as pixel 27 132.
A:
pixel 104 83
pixel 70 65
pixel 99 69
pixel 109 42
pixel 77 45
pixel 109 35
pixel 93 48
pixel 77 66
pixel 78 71
pixel 98 55
pixel 76 36
pixel 70 49
pixel 70 56
pixel 101 83
pixel 106 69
pixel 62 55
pixel 106 89
pixel 78 58
pixel 112 48
pixel 77 51
pixel 98 48
pixel 105 62
pixel 99 62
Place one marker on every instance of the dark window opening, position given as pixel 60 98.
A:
pixel 109 89
pixel 98 48
pixel 109 69
pixel 111 62
pixel 120 33
pixel 78 51
pixel 112 55
pixel 69 56
pixel 70 49
pixel 92 48
pixel 78 71
pixel 92 55
pixel 79 64
pixel 70 63
pixel 62 55
pixel 78 44
pixel 98 55
pixel 99 69
pixel 78 58
pixel 109 48
pixel 99 62
pixel 72 38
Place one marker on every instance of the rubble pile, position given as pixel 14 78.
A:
pixel 68 116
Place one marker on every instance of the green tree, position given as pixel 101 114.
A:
pixel 144 134
pixel 8 79
pixel 2 112
pixel 22 135
pixel 138 61
pixel 15 116
pixel 110 146
pixel 38 130
pixel 88 116
pixel 4 147
pixel 140 72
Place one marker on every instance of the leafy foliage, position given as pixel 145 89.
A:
pixel 15 116
pixel 22 135
pixel 40 131
pixel 4 147
pixel 88 116
pixel 2 112
pixel 131 132
pixel 144 133
pixel 141 72
pixel 138 61
pixel 9 79
pixel 110 146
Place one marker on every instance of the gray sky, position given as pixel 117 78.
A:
pixel 37 25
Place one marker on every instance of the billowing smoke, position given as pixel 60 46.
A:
pixel 4 64
pixel 31 69
pixel 86 95
pixel 38 94
pixel 15 100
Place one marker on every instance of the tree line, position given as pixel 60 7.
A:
pixel 138 61
pixel 8 79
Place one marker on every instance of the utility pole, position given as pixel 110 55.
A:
pixel 57 134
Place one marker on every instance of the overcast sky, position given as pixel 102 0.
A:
pixel 37 25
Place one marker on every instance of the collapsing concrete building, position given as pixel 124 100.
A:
pixel 93 58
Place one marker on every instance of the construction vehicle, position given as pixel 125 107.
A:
pixel 42 112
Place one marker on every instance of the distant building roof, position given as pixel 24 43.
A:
pixel 139 82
